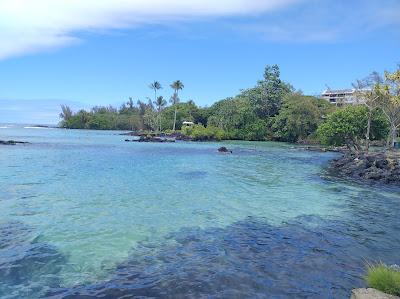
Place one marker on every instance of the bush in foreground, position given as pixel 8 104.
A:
pixel 384 278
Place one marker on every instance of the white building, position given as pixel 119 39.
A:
pixel 342 97
pixel 188 124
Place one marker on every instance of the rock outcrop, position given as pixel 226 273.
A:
pixel 380 168
pixel 12 142
pixel 176 136
pixel 223 149
pixel 150 139
pixel 370 294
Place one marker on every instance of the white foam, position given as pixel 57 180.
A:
pixel 37 128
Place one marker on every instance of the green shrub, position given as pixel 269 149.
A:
pixel 199 132
pixel 384 278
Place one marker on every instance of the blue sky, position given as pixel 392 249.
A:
pixel 86 53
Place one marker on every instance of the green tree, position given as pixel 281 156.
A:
pixel 299 117
pixel 175 101
pixel 176 86
pixel 185 111
pixel 150 117
pixel 66 113
pixel 130 103
pixel 155 86
pixel 160 103
pixel 266 98
pixel 347 126
pixel 389 99
pixel 366 94
pixel 232 115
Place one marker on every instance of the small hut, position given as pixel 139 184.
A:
pixel 187 124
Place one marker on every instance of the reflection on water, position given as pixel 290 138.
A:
pixel 84 214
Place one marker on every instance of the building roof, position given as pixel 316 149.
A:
pixel 336 91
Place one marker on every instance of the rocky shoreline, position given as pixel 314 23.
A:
pixel 381 168
pixel 153 137
pixel 324 149
pixel 12 142
pixel 150 139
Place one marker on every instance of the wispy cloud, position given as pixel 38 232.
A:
pixel 325 21
pixel 28 26
pixel 35 25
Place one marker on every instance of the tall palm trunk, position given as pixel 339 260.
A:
pixel 155 100
pixel 159 118
pixel 174 127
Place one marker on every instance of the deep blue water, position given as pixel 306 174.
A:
pixel 85 215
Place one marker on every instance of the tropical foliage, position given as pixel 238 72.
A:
pixel 199 132
pixel 299 117
pixel 347 126
pixel 389 97
pixel 271 110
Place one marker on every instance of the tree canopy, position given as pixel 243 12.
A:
pixel 347 126
pixel 271 110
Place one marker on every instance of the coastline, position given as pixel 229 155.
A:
pixel 376 168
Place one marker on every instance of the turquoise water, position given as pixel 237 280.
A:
pixel 85 213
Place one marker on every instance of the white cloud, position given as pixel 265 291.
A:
pixel 326 21
pixel 35 25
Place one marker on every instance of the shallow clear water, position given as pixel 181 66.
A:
pixel 82 213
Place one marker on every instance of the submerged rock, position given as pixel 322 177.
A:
pixel 379 168
pixel 223 149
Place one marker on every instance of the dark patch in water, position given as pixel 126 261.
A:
pixel 28 196
pixel 306 258
pixel 26 265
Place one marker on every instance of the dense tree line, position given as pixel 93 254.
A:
pixel 271 110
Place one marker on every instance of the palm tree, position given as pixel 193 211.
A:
pixel 176 86
pixel 175 101
pixel 155 86
pixel 66 113
pixel 130 103
pixel 160 103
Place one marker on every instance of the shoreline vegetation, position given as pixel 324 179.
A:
pixel 272 110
